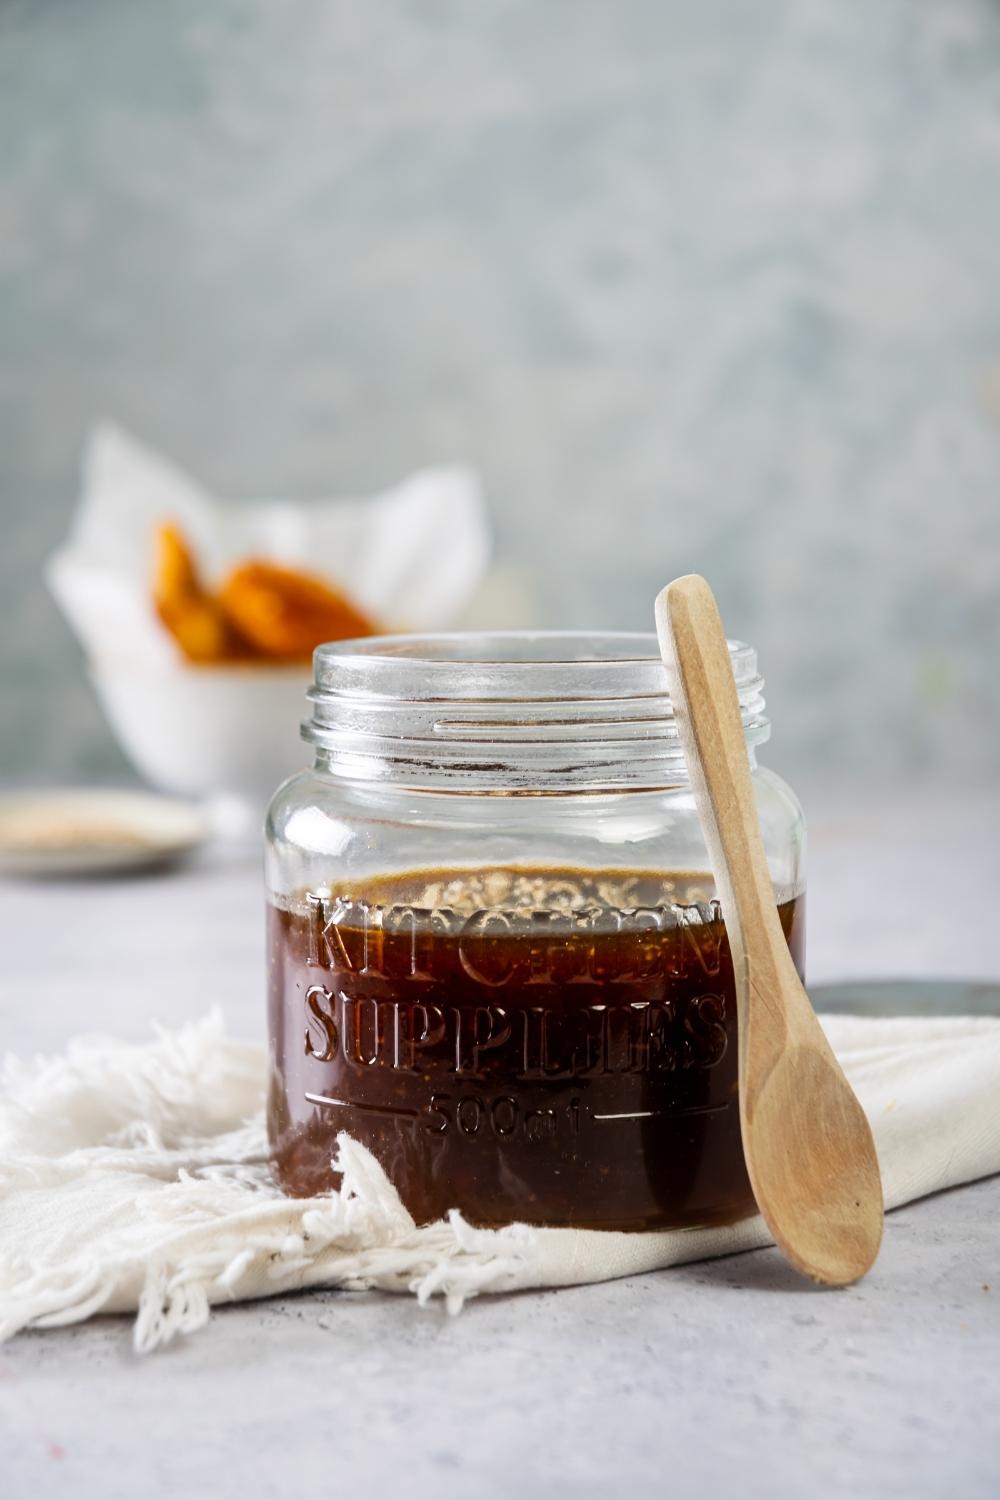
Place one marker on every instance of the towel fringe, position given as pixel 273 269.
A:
pixel 135 1177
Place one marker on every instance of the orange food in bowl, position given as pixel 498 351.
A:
pixel 286 614
pixel 194 618
pixel 260 613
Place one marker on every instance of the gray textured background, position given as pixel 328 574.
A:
pixel 695 286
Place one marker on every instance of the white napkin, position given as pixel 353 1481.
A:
pixel 134 1178
pixel 412 557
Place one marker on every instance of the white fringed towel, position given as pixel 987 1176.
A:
pixel 133 1178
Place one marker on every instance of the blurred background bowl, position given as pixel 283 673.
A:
pixel 207 732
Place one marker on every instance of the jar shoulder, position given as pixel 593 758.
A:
pixel 336 799
pixel 776 800
pixel 320 827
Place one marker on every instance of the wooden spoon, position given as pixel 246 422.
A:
pixel 808 1146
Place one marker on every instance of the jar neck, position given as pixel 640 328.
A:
pixel 385 772
pixel 545 712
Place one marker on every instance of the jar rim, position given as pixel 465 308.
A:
pixel 475 646
pixel 508 710
pixel 506 654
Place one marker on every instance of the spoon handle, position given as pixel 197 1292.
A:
pixel 703 693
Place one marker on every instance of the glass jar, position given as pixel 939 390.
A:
pixel 495 953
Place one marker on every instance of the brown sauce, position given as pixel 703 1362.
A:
pixel 552 1047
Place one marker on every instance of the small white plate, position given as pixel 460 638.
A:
pixel 89 831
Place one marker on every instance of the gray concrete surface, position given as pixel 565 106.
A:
pixel 723 1378
pixel 728 1378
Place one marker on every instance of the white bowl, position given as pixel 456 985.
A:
pixel 212 732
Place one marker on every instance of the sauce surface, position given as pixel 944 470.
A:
pixel 551 1047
